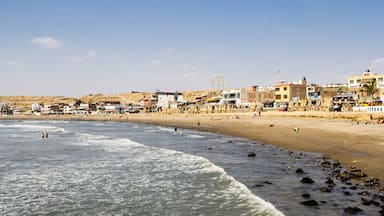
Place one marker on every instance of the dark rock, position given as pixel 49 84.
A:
pixel 252 154
pixel 230 141
pixel 353 188
pixel 299 171
pixel 257 185
pixel 307 180
pixel 326 164
pixel 364 193
pixel 352 210
pixel 310 203
pixel 306 195
pixel 323 202
pixel 347 193
pixel 210 148
pixel 267 182
pixel 376 203
pixel 372 182
pixel 366 202
pixel 325 190
pixel 336 165
pixel 330 182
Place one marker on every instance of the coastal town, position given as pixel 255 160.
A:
pixel 362 93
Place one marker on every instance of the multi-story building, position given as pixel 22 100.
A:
pixel 291 92
pixel 355 83
pixel 167 100
pixel 261 95
pixel 235 96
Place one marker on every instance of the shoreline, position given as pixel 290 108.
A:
pixel 337 136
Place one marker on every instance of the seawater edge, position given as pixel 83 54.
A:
pixel 335 135
pixel 173 121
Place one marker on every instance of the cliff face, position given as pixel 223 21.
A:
pixel 25 102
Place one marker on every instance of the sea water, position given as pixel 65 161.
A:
pixel 112 168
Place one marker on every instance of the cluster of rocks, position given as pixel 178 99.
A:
pixel 351 180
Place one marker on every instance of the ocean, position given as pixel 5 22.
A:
pixel 121 168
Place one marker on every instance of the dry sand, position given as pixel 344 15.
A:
pixel 340 136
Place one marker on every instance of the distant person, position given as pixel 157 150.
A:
pixel 175 129
pixel 44 135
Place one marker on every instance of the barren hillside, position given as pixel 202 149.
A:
pixel 25 102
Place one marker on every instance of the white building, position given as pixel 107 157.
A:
pixel 235 96
pixel 36 107
pixel 356 82
pixel 168 100
pixel 69 109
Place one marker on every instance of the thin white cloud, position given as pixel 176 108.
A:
pixel 189 70
pixel 47 42
pixel 92 53
pixel 74 59
pixel 156 62
pixel 169 49
pixel 13 63
pixel 378 61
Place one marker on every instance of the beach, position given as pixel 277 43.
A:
pixel 343 137
pixel 350 138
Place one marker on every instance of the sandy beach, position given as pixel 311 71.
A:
pixel 351 138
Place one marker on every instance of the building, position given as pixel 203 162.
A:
pixel 167 100
pixel 291 92
pixel 314 94
pixel 355 84
pixel 235 97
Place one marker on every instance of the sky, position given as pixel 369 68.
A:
pixel 79 47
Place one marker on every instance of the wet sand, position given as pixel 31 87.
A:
pixel 340 136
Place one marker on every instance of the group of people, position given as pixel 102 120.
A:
pixel 44 135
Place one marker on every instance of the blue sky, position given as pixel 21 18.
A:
pixel 79 47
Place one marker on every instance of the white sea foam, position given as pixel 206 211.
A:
pixel 195 136
pixel 27 127
pixel 199 165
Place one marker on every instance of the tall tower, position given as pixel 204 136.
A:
pixel 217 82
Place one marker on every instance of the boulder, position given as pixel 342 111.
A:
pixel 307 180
pixel 352 210
pixel 325 190
pixel 310 203
pixel 299 171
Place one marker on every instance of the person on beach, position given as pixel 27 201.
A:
pixel 44 135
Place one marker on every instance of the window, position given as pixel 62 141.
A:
pixel 285 96
pixel 277 89
pixel 358 81
pixel 351 81
pixel 380 79
pixel 285 88
pixel 278 97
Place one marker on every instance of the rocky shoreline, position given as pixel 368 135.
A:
pixel 349 181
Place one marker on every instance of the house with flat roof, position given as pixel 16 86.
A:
pixel 291 92
pixel 235 96
pixel 356 82
pixel 167 100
